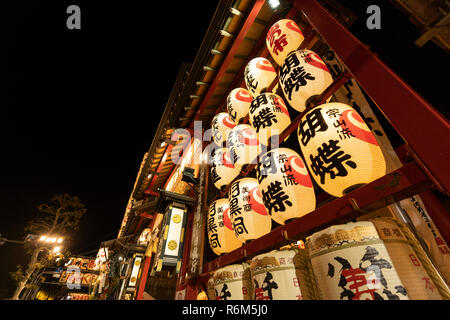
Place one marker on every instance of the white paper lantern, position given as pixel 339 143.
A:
pixel 286 188
pixel 223 171
pixel 303 75
pixel 350 262
pixel 238 103
pixel 221 236
pixel 243 145
pixel 274 276
pixel 232 282
pixel 221 125
pixel 340 150
pixel 259 75
pixel 282 38
pixel 249 216
pixel 269 116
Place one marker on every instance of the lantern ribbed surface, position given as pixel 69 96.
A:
pixel 282 38
pixel 249 216
pixel 221 236
pixel 303 75
pixel 286 187
pixel 269 116
pixel 223 171
pixel 339 149
pixel 221 125
pixel 259 75
pixel 243 145
pixel 238 104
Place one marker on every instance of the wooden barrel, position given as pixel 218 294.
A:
pixel 350 262
pixel 274 276
pixel 420 278
pixel 233 283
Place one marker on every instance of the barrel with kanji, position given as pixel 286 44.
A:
pixel 350 262
pixel 274 276
pixel 340 150
pixel 286 187
pixel 233 282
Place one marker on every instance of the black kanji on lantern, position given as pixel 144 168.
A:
pixel 264 118
pixel 266 166
pixel 257 102
pixel 275 198
pixel 312 123
pixel 330 160
pixel 251 82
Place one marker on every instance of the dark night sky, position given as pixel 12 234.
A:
pixel 80 106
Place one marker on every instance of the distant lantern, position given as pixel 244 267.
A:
pixel 350 262
pixel 221 236
pixel 274 276
pixel 302 76
pixel 259 75
pixel 221 125
pixel 232 282
pixel 249 216
pixel 243 145
pixel 145 237
pixel 269 116
pixel 286 188
pixel 223 171
pixel 282 38
pixel 340 150
pixel 238 103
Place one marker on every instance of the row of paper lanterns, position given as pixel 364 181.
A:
pixel 366 260
pixel 339 149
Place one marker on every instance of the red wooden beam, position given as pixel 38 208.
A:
pixel 424 128
pixel 230 55
pixel 393 187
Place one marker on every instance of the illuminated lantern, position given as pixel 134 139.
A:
pixel 282 38
pixel 238 103
pixel 221 236
pixel 223 171
pixel 249 217
pixel 243 145
pixel 145 237
pixel 340 150
pixel 233 282
pixel 286 188
pixel 303 75
pixel 259 75
pixel 350 262
pixel 221 125
pixel 269 116
pixel 418 283
pixel 274 276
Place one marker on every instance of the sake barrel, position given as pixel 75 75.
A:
pixel 417 281
pixel 233 282
pixel 274 276
pixel 351 262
